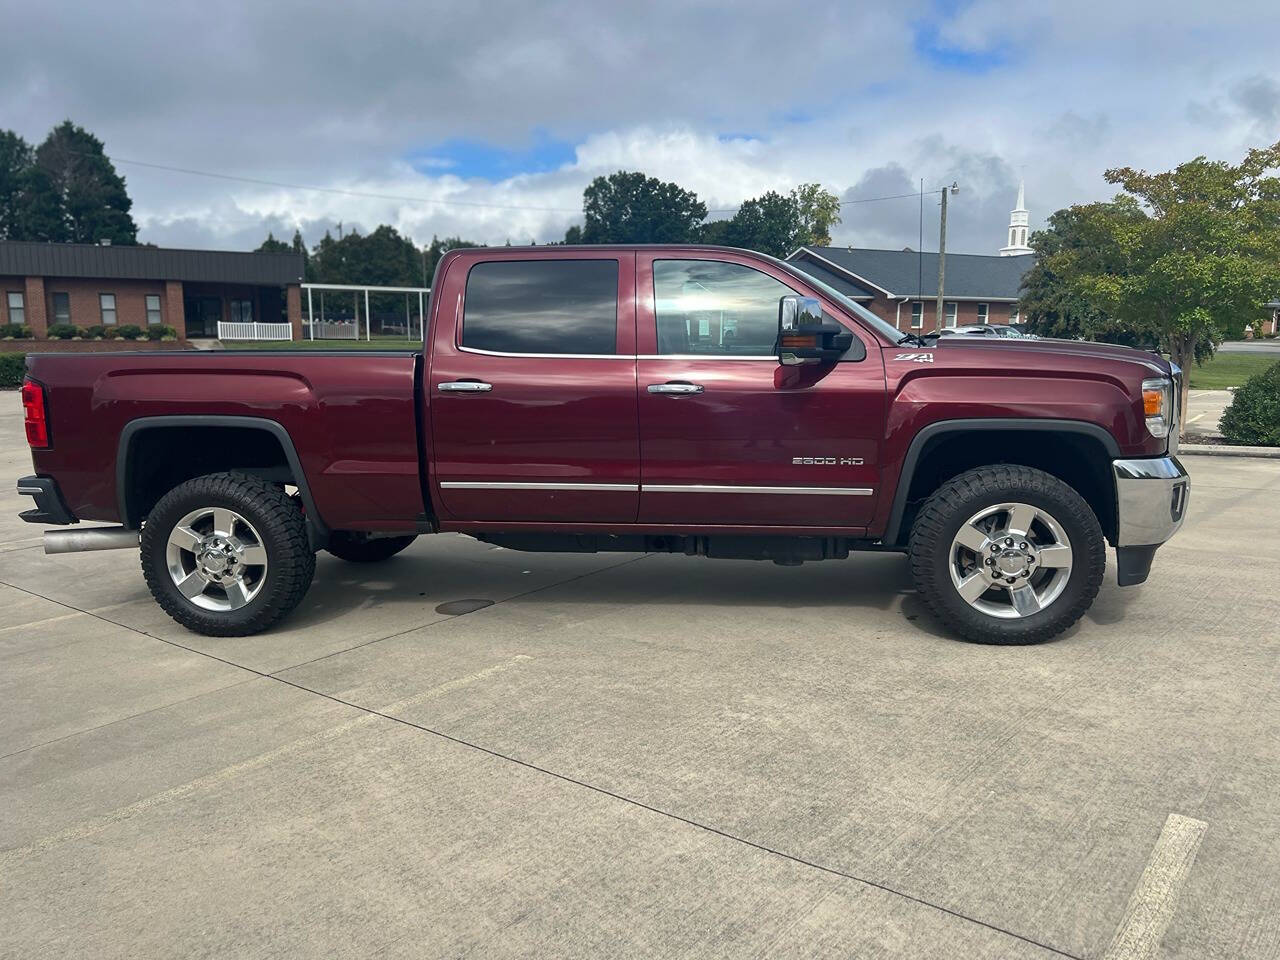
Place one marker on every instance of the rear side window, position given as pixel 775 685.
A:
pixel 542 306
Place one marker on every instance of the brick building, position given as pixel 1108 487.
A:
pixel 901 286
pixel 42 284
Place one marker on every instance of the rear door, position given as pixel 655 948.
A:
pixel 532 388
pixel 729 436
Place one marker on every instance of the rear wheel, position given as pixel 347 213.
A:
pixel 226 555
pixel 362 548
pixel 1007 554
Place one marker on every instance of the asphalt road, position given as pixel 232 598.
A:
pixel 1251 346
pixel 661 756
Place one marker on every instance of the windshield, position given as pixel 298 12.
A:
pixel 886 330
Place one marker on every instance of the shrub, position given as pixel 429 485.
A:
pixel 14 331
pixel 159 332
pixel 63 331
pixel 1253 418
pixel 13 367
pixel 130 331
pixel 94 332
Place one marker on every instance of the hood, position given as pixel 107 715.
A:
pixel 1027 350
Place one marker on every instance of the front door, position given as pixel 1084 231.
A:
pixel 202 315
pixel 728 436
pixel 532 389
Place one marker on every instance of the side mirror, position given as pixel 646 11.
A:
pixel 803 335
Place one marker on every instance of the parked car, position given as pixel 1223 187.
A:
pixel 1000 330
pixel 675 399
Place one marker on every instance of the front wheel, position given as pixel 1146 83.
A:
pixel 1007 554
pixel 226 555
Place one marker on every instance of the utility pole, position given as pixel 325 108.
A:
pixel 942 253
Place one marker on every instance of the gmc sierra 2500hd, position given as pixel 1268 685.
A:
pixel 683 399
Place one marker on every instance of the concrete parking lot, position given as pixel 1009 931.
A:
pixel 657 756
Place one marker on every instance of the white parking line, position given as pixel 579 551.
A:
pixel 1198 416
pixel 1151 905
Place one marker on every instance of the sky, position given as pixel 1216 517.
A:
pixel 487 119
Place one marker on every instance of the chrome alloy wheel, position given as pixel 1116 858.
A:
pixel 216 559
pixel 1010 560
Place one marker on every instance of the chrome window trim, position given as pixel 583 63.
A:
pixel 733 488
pixel 517 485
pixel 701 356
pixel 550 356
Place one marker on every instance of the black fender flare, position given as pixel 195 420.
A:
pixel 318 532
pixel 943 427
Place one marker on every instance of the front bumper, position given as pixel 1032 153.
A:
pixel 50 507
pixel 1151 503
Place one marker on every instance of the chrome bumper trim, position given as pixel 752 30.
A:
pixel 1151 500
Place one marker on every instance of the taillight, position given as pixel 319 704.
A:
pixel 35 415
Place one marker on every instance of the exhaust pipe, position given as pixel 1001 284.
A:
pixel 94 538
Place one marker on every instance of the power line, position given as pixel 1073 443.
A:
pixel 406 199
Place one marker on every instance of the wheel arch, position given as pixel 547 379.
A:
pixel 948 447
pixel 134 498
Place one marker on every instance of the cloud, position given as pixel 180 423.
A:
pixel 442 116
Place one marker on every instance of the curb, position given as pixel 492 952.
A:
pixel 1227 450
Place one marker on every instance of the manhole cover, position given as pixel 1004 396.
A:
pixel 456 608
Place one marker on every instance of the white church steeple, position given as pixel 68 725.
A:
pixel 1018 230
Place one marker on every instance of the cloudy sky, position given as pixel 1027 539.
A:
pixel 487 119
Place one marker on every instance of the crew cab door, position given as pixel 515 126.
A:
pixel 727 434
pixel 532 388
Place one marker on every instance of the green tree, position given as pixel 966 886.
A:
pixel 1050 304
pixel 1184 256
pixel 437 249
pixel 628 207
pixel 819 211
pixel 272 245
pixel 15 161
pixel 769 223
pixel 91 197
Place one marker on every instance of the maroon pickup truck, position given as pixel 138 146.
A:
pixel 676 399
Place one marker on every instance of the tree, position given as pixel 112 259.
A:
pixel 628 207
pixel 1051 305
pixel 770 224
pixel 1183 256
pixel 437 249
pixel 15 160
pixel 91 198
pixel 272 245
pixel 819 211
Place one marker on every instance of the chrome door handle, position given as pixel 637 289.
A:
pixel 464 386
pixel 675 387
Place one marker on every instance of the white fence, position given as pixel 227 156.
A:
pixel 254 331
pixel 334 330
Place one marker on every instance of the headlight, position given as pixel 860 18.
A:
pixel 1157 404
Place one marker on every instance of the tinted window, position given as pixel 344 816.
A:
pixel 542 306
pixel 715 308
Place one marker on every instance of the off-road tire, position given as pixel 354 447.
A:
pixel 955 502
pixel 282 528
pixel 355 548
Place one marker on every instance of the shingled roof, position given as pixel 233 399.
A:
pixel 906 273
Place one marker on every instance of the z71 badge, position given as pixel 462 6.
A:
pixel 915 357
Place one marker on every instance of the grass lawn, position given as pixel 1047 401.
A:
pixel 1229 370
pixel 377 343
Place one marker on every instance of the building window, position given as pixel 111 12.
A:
pixel 154 319
pixel 242 311
pixel 950 309
pixel 917 315
pixel 542 306
pixel 62 308
pixel 17 309
pixel 107 304
pixel 983 313
pixel 1014 316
